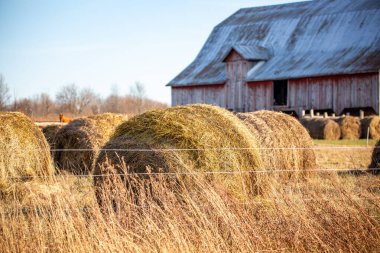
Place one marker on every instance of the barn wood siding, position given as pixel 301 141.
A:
pixel 259 96
pixel 206 94
pixel 329 92
pixel 334 92
pixel 236 89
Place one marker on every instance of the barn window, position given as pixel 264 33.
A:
pixel 280 92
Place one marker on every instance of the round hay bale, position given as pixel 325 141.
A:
pixel 49 132
pixel 24 152
pixel 373 124
pixel 349 127
pixel 285 144
pixel 87 135
pixel 184 139
pixel 322 128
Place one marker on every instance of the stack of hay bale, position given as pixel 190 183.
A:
pixel 322 128
pixel 204 138
pixel 24 152
pixel 77 143
pixel 50 132
pixel 345 127
pixel 370 126
pixel 285 143
pixel 350 127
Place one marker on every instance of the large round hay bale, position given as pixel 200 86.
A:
pixel 77 143
pixel 24 152
pixel 373 124
pixel 50 132
pixel 284 142
pixel 185 139
pixel 322 128
pixel 349 127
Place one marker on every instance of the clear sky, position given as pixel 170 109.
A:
pixel 45 44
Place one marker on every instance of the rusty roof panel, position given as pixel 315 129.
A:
pixel 321 37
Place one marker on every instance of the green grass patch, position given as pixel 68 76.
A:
pixel 361 142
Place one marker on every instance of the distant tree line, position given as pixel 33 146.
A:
pixel 74 102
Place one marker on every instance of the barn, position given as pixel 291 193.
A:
pixel 322 55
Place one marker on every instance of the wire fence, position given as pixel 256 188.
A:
pixel 208 149
pixel 215 149
pixel 269 171
pixel 350 157
pixel 341 159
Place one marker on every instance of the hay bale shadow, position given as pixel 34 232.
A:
pixel 374 167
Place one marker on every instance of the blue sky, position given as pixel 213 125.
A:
pixel 45 44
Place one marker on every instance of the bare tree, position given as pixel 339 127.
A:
pixel 112 104
pixel 96 105
pixel 85 99
pixel 137 91
pixel 4 94
pixel 46 104
pixel 67 98
pixel 25 105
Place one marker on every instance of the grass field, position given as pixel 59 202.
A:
pixel 361 142
pixel 326 213
pixel 319 211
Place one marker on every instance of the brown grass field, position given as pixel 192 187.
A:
pixel 327 210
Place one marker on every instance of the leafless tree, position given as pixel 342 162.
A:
pixel 85 99
pixel 112 104
pixel 75 101
pixel 25 105
pixel 96 105
pixel 46 103
pixel 42 104
pixel 137 91
pixel 4 94
pixel 67 98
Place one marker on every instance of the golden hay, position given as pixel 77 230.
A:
pixel 210 139
pixel 88 134
pixel 24 152
pixel 49 132
pixel 375 162
pixel 285 144
pixel 349 127
pixel 373 124
pixel 322 128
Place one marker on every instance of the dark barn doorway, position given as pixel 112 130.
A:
pixel 280 92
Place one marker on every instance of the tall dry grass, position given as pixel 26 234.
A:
pixel 325 213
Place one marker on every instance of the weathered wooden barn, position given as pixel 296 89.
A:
pixel 322 55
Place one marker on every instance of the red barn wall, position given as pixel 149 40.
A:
pixel 259 96
pixel 334 92
pixel 202 94
pixel 328 92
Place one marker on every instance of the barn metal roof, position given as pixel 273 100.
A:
pixel 250 53
pixel 316 38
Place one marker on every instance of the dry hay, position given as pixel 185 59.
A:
pixel 349 127
pixel 49 132
pixel 374 167
pixel 285 143
pixel 86 134
pixel 24 152
pixel 322 128
pixel 210 139
pixel 373 124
